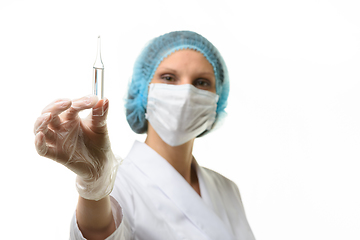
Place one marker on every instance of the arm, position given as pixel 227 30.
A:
pixel 83 146
pixel 94 218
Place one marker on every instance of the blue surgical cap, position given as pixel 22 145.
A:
pixel 150 58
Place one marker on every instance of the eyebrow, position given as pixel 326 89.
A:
pixel 167 69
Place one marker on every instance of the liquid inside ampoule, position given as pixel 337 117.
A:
pixel 98 82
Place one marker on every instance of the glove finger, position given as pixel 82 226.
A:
pixel 55 122
pixel 80 104
pixel 98 116
pixel 41 125
pixel 50 137
pixel 43 149
pixel 42 122
pixel 57 107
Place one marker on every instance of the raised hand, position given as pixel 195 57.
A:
pixel 82 145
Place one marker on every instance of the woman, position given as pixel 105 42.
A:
pixel 178 92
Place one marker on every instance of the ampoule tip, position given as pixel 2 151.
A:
pixel 98 62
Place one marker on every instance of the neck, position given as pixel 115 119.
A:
pixel 180 157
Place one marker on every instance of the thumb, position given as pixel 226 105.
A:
pixel 99 115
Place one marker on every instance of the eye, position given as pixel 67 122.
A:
pixel 203 83
pixel 168 78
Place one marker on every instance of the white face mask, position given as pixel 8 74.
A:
pixel 179 113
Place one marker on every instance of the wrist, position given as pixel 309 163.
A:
pixel 102 184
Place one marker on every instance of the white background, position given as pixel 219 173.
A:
pixel 292 137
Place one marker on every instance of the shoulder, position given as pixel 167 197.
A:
pixel 221 182
pixel 217 176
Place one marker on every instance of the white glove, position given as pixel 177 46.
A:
pixel 82 145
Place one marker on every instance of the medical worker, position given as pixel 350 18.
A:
pixel 178 92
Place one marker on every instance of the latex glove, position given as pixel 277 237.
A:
pixel 82 145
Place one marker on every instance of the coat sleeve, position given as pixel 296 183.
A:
pixel 122 232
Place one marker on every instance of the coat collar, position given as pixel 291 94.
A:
pixel 199 211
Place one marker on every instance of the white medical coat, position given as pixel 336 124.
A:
pixel 153 201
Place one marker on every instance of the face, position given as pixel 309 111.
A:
pixel 186 67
